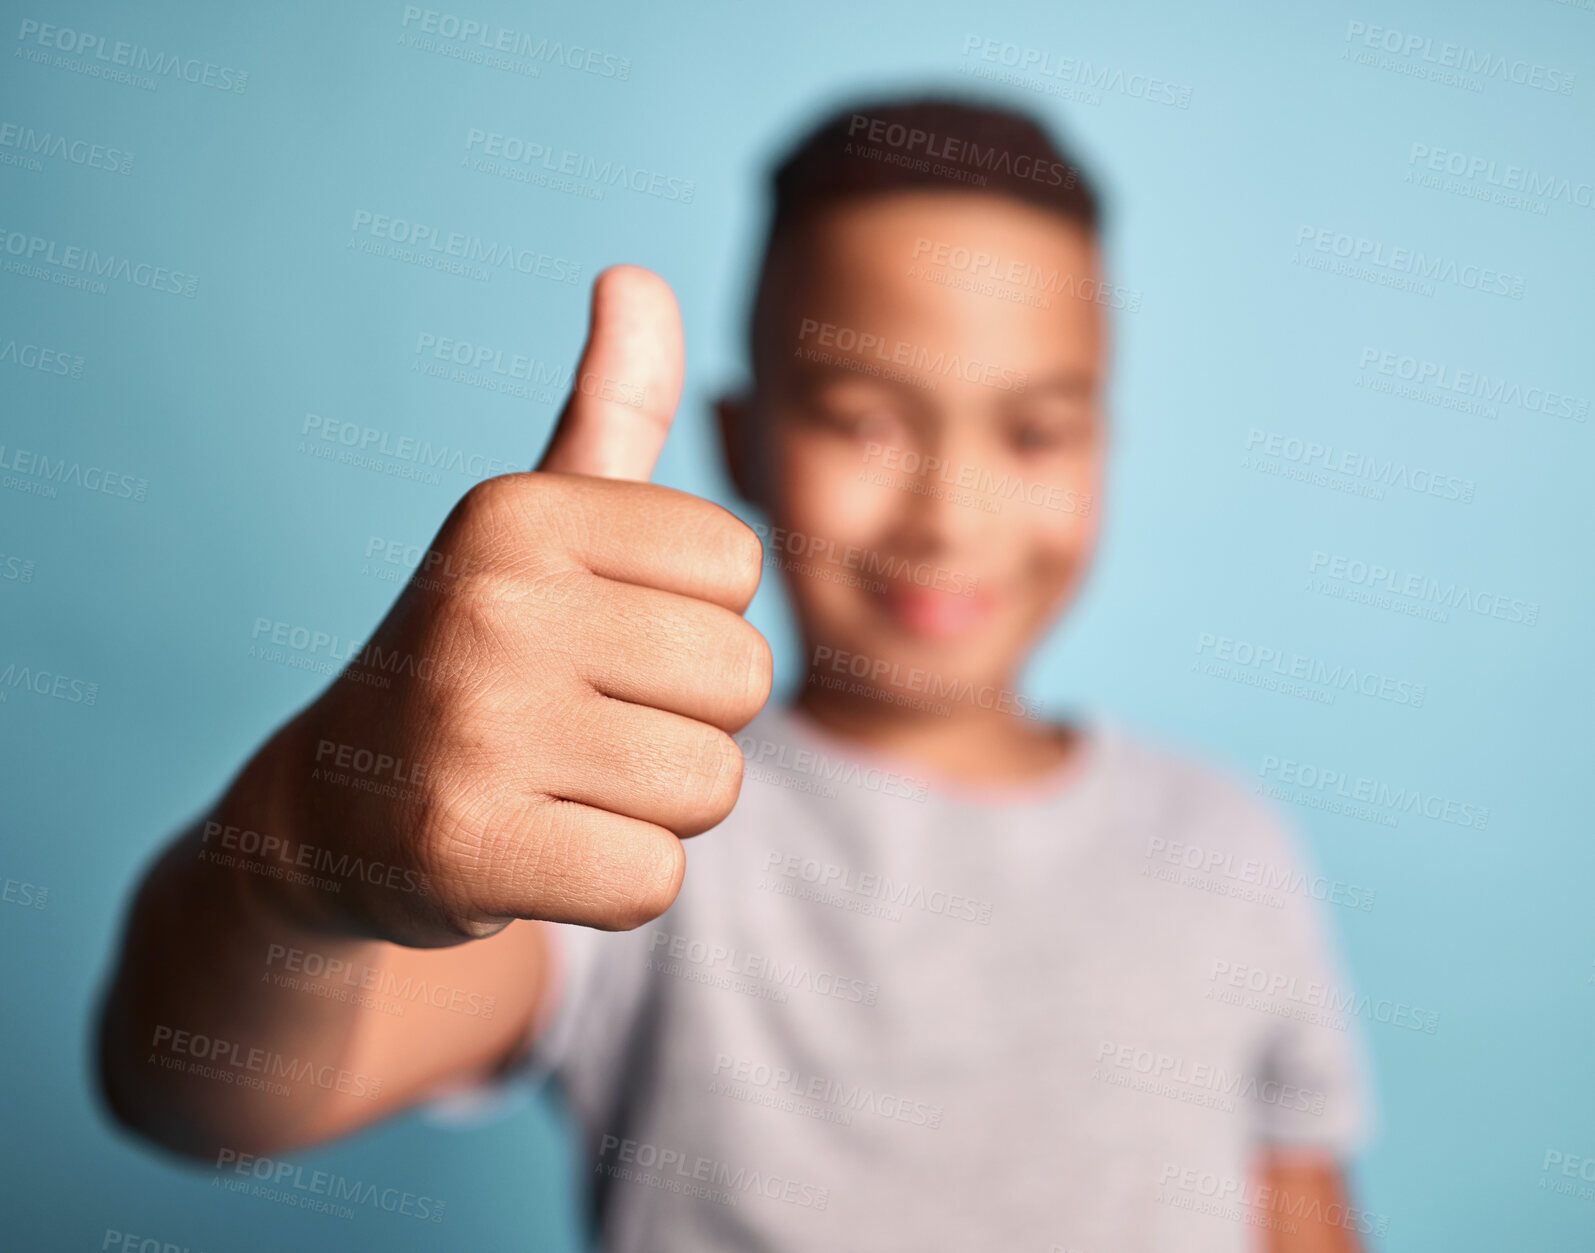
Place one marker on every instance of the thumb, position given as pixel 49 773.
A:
pixel 628 384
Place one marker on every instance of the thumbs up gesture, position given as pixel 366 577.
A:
pixel 586 664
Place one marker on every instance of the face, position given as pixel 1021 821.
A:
pixel 929 428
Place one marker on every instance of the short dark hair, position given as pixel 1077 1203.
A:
pixel 927 143
pixel 931 143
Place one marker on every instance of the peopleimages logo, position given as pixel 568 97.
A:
pixel 1318 782
pixel 1372 576
pixel 23 894
pixel 333 977
pixel 433 248
pixel 1409 263
pixel 1205 1192
pixel 1425 54
pixel 815 1096
pixel 44 360
pixel 115 60
pixel 1277 986
pixel 825 769
pixel 514 366
pixel 1385 472
pixel 782 542
pixel 478 37
pixel 873 676
pixel 964 152
pixel 1017 273
pixel 24 678
pixel 977 478
pixel 73 265
pixel 1469 385
pixel 30 145
pixel 1094 77
pixel 232 1062
pixel 16 569
pixel 1340 677
pixel 699 962
pixel 370 442
pixel 1221 870
pixel 1571 1166
pixel 1196 1083
pixel 1503 176
pixel 706 1178
pixel 563 162
pixel 899 352
pixel 44 477
pixel 832 880
pixel 288 1178
pixel 281 859
pixel 433 570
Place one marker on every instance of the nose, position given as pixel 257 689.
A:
pixel 946 507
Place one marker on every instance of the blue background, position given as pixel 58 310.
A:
pixel 204 398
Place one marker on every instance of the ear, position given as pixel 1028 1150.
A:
pixel 734 410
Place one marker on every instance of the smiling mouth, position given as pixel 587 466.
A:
pixel 931 613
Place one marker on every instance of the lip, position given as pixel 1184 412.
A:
pixel 930 613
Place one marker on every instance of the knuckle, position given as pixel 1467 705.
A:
pixel 654 881
pixel 499 513
pixel 549 867
pixel 742 672
pixel 744 555
pixel 491 498
pixel 480 516
pixel 757 672
pixel 716 778
pixel 456 852
pixel 543 862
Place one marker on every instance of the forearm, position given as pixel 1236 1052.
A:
pixel 1305 1201
pixel 238 1020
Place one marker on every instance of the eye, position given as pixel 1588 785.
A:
pixel 856 422
pixel 1040 435
pixel 1033 438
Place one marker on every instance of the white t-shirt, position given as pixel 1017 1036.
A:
pixel 885 1014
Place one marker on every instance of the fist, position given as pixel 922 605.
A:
pixel 564 674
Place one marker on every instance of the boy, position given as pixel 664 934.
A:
pixel 928 986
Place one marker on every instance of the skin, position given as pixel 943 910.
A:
pixel 847 457
pixel 582 597
pixel 1310 1184
pixel 580 663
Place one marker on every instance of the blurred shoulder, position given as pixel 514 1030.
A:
pixel 1189 793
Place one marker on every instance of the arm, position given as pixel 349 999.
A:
pixel 1304 1197
pixel 558 683
pixel 210 951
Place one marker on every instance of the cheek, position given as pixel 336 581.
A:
pixel 825 490
pixel 1059 534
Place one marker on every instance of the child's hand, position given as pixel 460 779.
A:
pixel 563 670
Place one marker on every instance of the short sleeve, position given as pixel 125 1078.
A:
pixel 1315 1069
pixel 599 991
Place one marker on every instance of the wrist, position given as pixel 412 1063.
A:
pixel 266 832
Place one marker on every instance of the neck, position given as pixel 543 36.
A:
pixel 962 740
